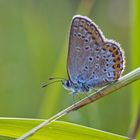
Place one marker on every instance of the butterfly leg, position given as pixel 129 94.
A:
pixel 73 94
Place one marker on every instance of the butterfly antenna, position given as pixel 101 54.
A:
pixel 45 85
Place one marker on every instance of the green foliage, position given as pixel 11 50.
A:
pixel 135 57
pixel 57 130
pixel 33 47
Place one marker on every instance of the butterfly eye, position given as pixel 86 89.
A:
pixel 68 83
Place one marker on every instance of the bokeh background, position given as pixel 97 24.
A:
pixel 33 47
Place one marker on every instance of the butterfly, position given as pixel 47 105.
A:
pixel 93 61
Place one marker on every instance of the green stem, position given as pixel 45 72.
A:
pixel 123 81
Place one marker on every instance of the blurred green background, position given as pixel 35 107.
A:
pixel 33 47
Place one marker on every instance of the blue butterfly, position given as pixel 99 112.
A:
pixel 93 61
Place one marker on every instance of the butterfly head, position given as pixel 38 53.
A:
pixel 75 87
pixel 68 85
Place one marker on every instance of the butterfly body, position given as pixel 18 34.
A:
pixel 93 61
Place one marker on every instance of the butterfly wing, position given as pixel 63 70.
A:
pixel 89 55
